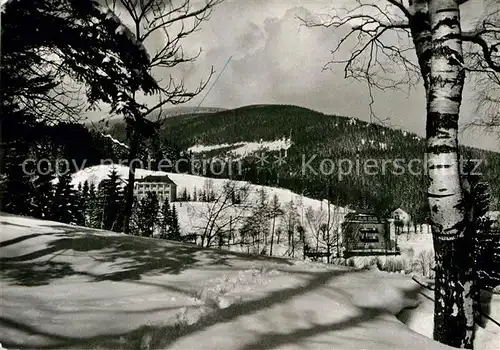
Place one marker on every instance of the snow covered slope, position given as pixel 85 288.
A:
pixel 97 173
pixel 243 149
pixel 71 287
pixel 192 215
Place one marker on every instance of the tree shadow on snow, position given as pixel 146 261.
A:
pixel 126 257
pixel 163 337
pixel 129 258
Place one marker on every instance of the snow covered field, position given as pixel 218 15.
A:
pixel 70 287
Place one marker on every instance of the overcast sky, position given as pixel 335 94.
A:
pixel 275 60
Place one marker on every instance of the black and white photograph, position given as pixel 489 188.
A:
pixel 250 174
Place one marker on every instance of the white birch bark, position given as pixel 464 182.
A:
pixel 453 314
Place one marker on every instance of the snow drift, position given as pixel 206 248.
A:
pixel 72 287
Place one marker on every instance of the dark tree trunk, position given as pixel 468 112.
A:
pixel 129 194
pixel 454 293
pixel 272 237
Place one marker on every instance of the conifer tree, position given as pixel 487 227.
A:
pixel 174 233
pixel 14 150
pixel 113 202
pixel 134 221
pixel 486 246
pixel 184 194
pixel 94 208
pixel 90 207
pixel 84 198
pixel 66 205
pixel 147 214
pixel 43 194
pixel 166 219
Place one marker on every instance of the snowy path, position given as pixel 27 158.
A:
pixel 71 287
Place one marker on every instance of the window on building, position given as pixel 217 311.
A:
pixel 369 235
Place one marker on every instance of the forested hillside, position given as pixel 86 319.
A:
pixel 394 158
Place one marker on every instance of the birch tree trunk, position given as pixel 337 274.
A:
pixel 453 309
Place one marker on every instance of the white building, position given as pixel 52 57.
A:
pixel 400 215
pixel 163 186
pixel 402 220
pixel 495 216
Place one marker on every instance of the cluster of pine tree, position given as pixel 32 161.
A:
pixel 104 209
pixel 100 207
pixel 201 195
pixel 150 217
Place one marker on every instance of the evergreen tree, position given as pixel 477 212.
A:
pixel 174 233
pixel 14 150
pixel 86 189
pixel 166 219
pixel 113 202
pixel 17 190
pixel 147 214
pixel 82 203
pixel 66 204
pixel 94 208
pixel 134 219
pixel 486 246
pixel 184 194
pixel 43 194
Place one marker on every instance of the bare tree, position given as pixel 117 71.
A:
pixel 169 21
pixel 325 228
pixel 275 211
pixel 384 37
pixel 289 223
pixel 485 75
pixel 217 218
pixel 258 224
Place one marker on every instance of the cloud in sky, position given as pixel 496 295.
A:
pixel 275 60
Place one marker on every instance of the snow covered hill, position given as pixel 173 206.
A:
pixel 97 173
pixel 193 216
pixel 71 287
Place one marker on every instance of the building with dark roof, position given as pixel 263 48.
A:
pixel 162 185
pixel 368 234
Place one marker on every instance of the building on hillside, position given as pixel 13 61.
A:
pixel 400 214
pixel 367 234
pixel 495 217
pixel 402 220
pixel 162 185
